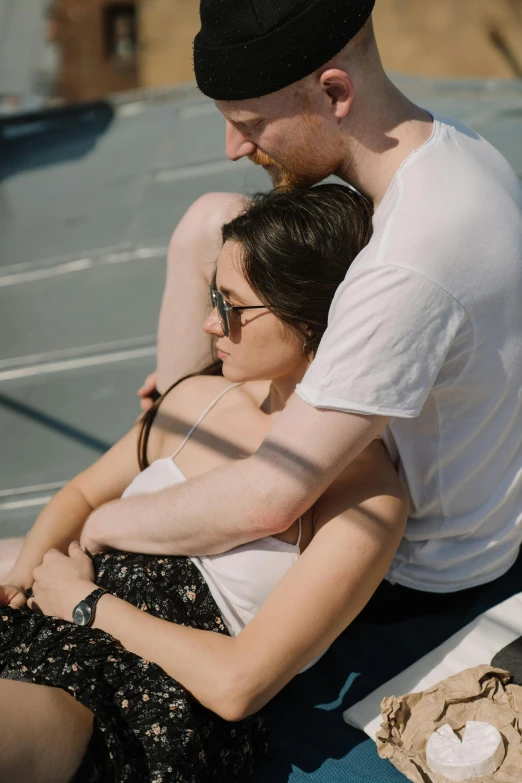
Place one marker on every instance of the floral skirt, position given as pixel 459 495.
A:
pixel 147 727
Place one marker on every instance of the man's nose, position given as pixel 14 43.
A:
pixel 212 324
pixel 237 145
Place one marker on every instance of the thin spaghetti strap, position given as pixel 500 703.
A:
pixel 207 410
pixel 300 531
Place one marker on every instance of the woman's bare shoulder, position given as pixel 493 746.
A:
pixel 236 418
pixel 193 395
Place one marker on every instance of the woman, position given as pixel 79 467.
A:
pixel 277 272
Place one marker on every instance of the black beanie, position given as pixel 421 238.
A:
pixel 249 48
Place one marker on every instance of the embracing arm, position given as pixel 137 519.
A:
pixel 304 451
pixel 358 532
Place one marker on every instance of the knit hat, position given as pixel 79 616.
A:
pixel 249 48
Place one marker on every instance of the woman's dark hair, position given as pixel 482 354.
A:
pixel 296 248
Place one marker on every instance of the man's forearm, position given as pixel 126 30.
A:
pixel 263 495
pixel 182 520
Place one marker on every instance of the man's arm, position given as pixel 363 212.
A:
pixel 317 599
pixel 302 454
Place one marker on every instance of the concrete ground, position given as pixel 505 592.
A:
pixel 88 199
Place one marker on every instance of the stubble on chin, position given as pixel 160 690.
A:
pixel 301 177
pixel 282 178
pixel 287 180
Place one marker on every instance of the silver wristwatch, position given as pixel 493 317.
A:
pixel 83 613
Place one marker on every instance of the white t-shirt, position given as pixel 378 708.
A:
pixel 427 328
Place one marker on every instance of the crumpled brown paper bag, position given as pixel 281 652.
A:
pixel 481 693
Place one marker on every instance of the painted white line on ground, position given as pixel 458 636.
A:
pixel 32 488
pixel 17 504
pixel 75 353
pixel 133 255
pixel 74 364
pixel 64 258
pixel 131 109
pixel 80 264
pixel 42 274
pixel 199 170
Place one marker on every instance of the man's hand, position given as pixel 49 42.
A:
pixel 146 391
pixel 62 581
pixel 105 528
pixel 12 595
pixel 90 539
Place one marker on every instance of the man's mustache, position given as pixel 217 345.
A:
pixel 261 159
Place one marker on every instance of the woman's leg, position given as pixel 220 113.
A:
pixel 44 733
pixel 182 345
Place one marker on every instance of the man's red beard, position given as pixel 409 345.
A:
pixel 284 178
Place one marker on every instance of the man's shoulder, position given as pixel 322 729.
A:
pixel 455 166
pixel 454 205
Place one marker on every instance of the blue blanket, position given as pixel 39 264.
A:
pixel 310 742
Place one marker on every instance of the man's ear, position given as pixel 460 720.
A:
pixel 339 88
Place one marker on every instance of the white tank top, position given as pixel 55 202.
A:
pixel 240 580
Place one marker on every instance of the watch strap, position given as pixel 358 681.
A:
pixel 94 597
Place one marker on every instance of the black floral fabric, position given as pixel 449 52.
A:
pixel 148 728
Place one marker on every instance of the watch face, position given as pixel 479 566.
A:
pixel 82 613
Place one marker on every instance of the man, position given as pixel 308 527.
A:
pixel 424 343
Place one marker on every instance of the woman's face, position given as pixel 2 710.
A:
pixel 260 346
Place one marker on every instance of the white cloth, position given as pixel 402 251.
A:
pixel 473 645
pixel 427 329
pixel 240 580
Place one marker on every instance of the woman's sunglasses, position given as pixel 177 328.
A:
pixel 223 308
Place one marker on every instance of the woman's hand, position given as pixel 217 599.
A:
pixel 12 595
pixel 62 581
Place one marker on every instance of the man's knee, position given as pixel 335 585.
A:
pixel 201 224
pixel 218 207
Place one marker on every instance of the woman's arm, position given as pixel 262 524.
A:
pixel 359 521
pixel 319 597
pixel 62 520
